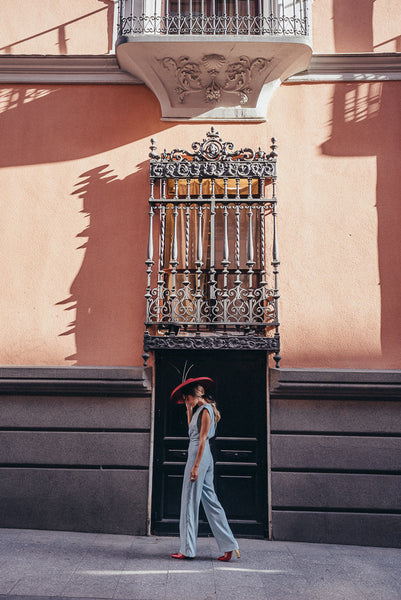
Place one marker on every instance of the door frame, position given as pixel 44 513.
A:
pixel 267 471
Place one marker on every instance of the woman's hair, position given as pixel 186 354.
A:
pixel 209 399
pixel 191 389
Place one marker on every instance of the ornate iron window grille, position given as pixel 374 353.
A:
pixel 209 286
pixel 214 17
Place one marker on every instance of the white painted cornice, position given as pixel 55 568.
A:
pixel 326 68
pixel 86 69
pixel 62 69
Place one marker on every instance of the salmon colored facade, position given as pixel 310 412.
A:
pixel 88 27
pixel 74 183
pixel 75 187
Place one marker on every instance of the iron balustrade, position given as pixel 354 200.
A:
pixel 213 227
pixel 214 17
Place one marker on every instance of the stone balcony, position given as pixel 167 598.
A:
pixel 214 61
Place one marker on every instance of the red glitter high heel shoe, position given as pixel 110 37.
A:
pixel 227 556
pixel 181 556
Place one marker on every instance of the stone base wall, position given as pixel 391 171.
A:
pixel 74 449
pixel 336 456
pixel 75 452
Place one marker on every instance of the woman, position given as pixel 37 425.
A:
pixel 198 475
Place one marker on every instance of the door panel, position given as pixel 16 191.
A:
pixel 239 448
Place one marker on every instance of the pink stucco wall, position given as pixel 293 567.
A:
pixel 74 188
pixel 74 181
pixel 86 26
pixel 356 26
pixel 339 223
pixel 56 26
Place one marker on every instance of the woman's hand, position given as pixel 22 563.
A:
pixel 190 402
pixel 194 473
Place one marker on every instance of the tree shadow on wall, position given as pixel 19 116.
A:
pixel 366 121
pixel 107 294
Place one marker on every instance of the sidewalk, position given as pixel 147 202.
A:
pixel 49 564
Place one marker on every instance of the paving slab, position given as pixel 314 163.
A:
pixel 41 565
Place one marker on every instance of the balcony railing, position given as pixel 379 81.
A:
pixel 214 17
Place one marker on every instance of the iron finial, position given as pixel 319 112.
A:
pixel 273 147
pixel 152 153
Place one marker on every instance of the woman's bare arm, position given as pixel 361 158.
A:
pixel 205 424
pixel 189 412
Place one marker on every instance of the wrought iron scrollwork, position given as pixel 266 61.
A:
pixel 172 24
pixel 240 342
pixel 209 216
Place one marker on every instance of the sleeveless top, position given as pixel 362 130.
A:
pixel 195 425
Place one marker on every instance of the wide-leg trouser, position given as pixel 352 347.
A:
pixel 193 492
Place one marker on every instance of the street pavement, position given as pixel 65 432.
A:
pixel 36 565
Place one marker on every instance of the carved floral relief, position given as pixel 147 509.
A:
pixel 213 74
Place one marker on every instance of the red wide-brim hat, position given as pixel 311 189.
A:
pixel 177 393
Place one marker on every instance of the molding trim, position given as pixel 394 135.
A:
pixel 84 69
pixel 104 69
pixel 330 384
pixel 370 66
pixel 76 381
